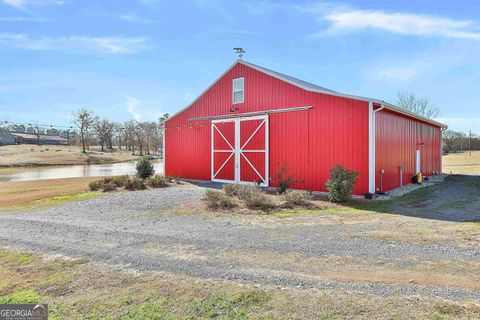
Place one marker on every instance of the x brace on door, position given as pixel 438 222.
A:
pixel 238 152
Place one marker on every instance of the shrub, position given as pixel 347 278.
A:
pixel 233 190
pixel 119 181
pixel 145 168
pixel 341 183
pixel 254 198
pixel 107 180
pixel 283 181
pixel 176 180
pixel 157 182
pixel 109 187
pixel 298 197
pixel 218 200
pixel 135 184
pixel 95 185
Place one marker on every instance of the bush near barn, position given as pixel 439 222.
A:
pixel 253 198
pixel 341 183
pixel 109 184
pixel 145 168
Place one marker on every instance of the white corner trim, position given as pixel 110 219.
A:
pixel 371 148
pixel 164 154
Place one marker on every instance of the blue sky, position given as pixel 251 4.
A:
pixel 141 58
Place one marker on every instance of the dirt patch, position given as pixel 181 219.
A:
pixel 453 274
pixel 180 252
pixel 22 194
pixel 460 233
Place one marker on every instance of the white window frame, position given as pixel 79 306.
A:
pixel 233 90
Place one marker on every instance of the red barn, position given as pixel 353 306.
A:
pixel 252 122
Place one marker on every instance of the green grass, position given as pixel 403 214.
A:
pixel 28 296
pixel 292 212
pixel 301 212
pixel 62 199
pixel 77 289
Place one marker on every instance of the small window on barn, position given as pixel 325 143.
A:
pixel 238 90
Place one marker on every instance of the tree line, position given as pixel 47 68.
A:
pixel 143 138
pixel 456 141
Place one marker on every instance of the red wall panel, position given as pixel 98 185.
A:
pixel 334 130
pixel 397 139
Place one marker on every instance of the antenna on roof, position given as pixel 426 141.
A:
pixel 240 52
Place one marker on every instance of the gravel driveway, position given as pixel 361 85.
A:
pixel 128 229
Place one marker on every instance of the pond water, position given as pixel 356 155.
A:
pixel 76 171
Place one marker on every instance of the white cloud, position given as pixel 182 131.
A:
pixel 133 107
pixel 113 45
pixel 400 23
pixel 395 73
pixel 344 18
pixel 140 112
pixel 22 19
pixel 136 19
pixel 21 4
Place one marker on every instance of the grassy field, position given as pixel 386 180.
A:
pixel 19 195
pixel 462 163
pixel 82 289
pixel 32 155
pixel 79 289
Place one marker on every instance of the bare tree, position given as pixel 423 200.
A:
pixel 421 106
pixel 102 130
pixel 36 130
pixel 164 118
pixel 38 133
pixel 449 138
pixel 129 135
pixel 83 119
pixel 118 130
pixel 139 132
pixel 161 124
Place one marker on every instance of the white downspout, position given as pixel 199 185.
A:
pixel 163 147
pixel 372 146
pixel 440 170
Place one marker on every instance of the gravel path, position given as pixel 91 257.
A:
pixel 127 229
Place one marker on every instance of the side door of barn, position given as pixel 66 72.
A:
pixel 240 150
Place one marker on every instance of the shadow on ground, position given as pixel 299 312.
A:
pixel 456 199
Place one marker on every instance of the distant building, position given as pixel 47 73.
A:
pixel 31 138
pixel 6 138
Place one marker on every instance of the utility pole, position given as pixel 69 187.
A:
pixel 470 143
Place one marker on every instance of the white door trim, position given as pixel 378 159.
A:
pixel 237 149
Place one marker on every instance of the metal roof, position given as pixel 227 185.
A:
pixel 314 88
pixel 34 136
pixel 289 79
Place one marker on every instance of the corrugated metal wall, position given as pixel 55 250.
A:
pixel 397 139
pixel 309 142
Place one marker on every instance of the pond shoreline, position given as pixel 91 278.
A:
pixel 58 171
pixel 43 165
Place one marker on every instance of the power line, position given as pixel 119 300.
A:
pixel 45 126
